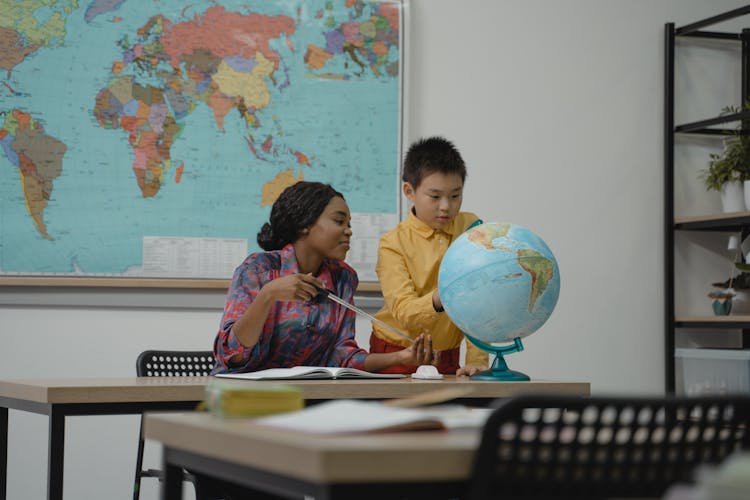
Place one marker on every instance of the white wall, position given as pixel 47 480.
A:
pixel 557 108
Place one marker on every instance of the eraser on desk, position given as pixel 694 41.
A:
pixel 427 372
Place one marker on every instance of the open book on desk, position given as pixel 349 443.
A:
pixel 307 372
pixel 346 416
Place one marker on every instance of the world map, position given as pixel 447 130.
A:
pixel 123 120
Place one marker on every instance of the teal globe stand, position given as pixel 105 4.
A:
pixel 499 369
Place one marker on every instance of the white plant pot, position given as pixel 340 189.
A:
pixel 746 189
pixel 732 197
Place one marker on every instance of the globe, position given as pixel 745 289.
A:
pixel 499 282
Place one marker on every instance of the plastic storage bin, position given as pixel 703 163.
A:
pixel 712 371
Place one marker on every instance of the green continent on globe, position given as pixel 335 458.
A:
pixel 539 267
pixel 498 282
pixel 541 270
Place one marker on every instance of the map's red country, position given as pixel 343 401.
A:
pixel 13 50
pixel 391 12
pixel 249 34
pixel 302 158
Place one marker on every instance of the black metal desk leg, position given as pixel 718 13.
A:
pixel 171 488
pixel 56 454
pixel 3 452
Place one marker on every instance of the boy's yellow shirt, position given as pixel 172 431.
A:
pixel 408 263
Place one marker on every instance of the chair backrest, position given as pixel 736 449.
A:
pixel 572 447
pixel 174 363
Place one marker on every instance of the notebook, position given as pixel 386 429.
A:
pixel 345 416
pixel 307 372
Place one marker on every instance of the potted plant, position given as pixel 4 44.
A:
pixel 729 170
pixel 733 288
pixel 721 301
pixel 733 293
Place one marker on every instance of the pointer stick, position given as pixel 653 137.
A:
pixel 335 298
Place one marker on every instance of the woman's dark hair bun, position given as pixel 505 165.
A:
pixel 266 237
pixel 296 208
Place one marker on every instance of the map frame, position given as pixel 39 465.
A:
pixel 31 279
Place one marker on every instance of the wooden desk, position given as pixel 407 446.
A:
pixel 427 465
pixel 59 398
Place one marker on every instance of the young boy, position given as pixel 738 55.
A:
pixel 409 258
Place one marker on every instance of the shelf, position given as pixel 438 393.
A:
pixel 701 126
pixel 713 35
pixel 691 29
pixel 738 321
pixel 723 126
pixel 732 221
pixel 718 133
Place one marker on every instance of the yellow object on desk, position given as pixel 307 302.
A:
pixel 251 400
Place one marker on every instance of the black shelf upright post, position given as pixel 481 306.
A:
pixel 745 129
pixel 669 312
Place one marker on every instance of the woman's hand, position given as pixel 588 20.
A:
pixel 300 287
pixel 292 287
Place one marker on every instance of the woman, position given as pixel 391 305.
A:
pixel 274 317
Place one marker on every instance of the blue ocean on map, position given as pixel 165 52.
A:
pixel 337 123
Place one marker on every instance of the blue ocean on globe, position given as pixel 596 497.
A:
pixel 499 282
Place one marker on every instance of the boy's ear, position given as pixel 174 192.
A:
pixel 409 191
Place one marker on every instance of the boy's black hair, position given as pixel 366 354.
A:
pixel 296 208
pixel 427 156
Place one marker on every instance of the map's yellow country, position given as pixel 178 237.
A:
pixel 273 188
pixel 368 29
pixel 250 86
pixel 540 268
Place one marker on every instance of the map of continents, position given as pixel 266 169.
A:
pixel 541 270
pixel 123 119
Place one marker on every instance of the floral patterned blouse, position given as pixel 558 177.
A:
pixel 318 332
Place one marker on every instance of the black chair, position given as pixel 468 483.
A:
pixel 167 364
pixel 540 446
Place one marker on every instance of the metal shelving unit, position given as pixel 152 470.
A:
pixel 737 222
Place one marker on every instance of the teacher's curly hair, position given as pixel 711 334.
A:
pixel 293 212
